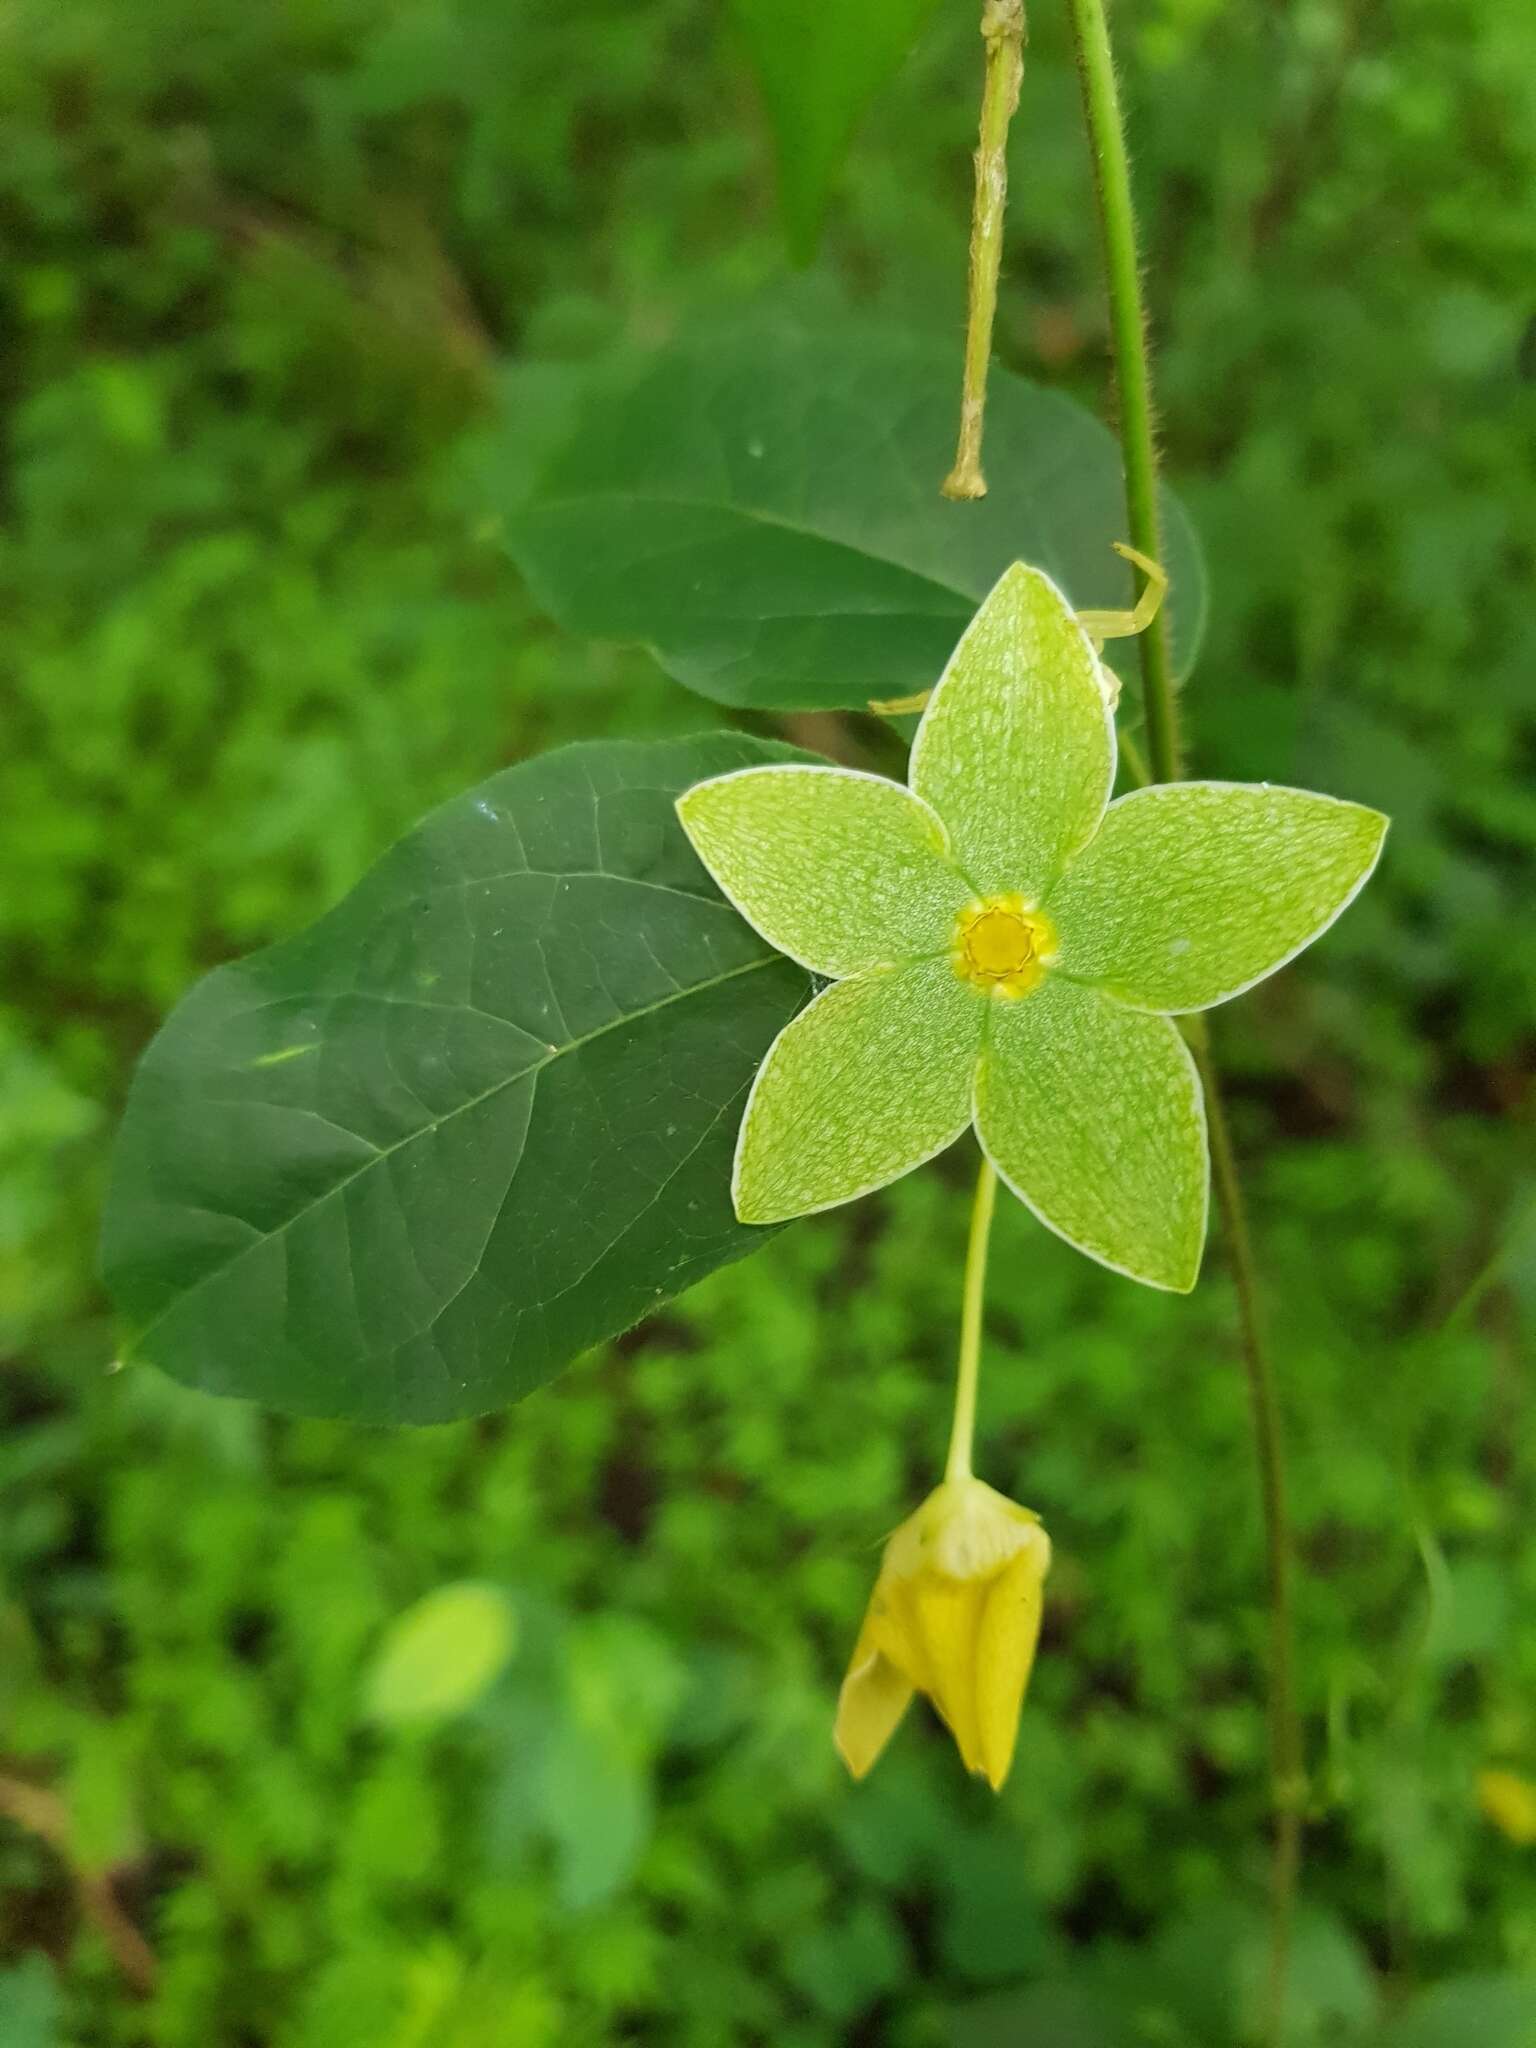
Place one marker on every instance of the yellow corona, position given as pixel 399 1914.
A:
pixel 1003 945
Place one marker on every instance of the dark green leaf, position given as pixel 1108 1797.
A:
pixel 819 64
pixel 761 507
pixel 403 1166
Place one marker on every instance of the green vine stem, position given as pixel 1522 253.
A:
pixel 1002 29
pixel 1287 1758
pixel 1133 380
pixel 1106 132
pixel 963 1433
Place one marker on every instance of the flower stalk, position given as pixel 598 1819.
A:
pixel 1106 132
pixel 963 1432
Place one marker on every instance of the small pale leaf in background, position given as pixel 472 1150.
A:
pixel 819 63
pixel 441 1655
pixel 843 1965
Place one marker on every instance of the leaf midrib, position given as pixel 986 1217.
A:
pixel 670 501
pixel 380 1155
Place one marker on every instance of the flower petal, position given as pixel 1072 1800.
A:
pixel 1093 1115
pixel 941 1614
pixel 1016 751
pixel 873 1698
pixel 842 871
pixel 870 1080
pixel 1193 891
pixel 1005 1655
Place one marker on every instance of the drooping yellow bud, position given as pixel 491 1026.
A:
pixel 955 1614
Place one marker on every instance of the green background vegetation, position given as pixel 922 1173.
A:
pixel 260 269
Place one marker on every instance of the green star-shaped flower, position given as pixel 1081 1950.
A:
pixel 1006 945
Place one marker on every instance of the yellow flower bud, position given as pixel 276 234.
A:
pixel 955 1614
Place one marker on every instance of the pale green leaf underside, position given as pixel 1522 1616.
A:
pixel 868 1082
pixel 1016 751
pixel 1093 1115
pixel 1192 892
pixel 442 1655
pixel 842 871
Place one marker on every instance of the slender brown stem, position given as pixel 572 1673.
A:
pixel 43 1814
pixel 1288 1776
pixel 1106 132
pixel 1002 29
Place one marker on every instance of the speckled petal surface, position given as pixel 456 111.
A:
pixel 1092 1113
pixel 842 871
pixel 1016 751
pixel 1193 891
pixel 874 1077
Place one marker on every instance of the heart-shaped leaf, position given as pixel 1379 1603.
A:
pixel 760 506
pixel 403 1166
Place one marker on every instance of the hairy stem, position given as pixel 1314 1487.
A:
pixel 1002 29
pixel 1106 132
pixel 962 1435
pixel 1133 379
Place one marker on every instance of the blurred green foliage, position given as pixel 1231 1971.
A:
pixel 259 268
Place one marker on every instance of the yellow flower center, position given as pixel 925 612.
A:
pixel 1003 946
